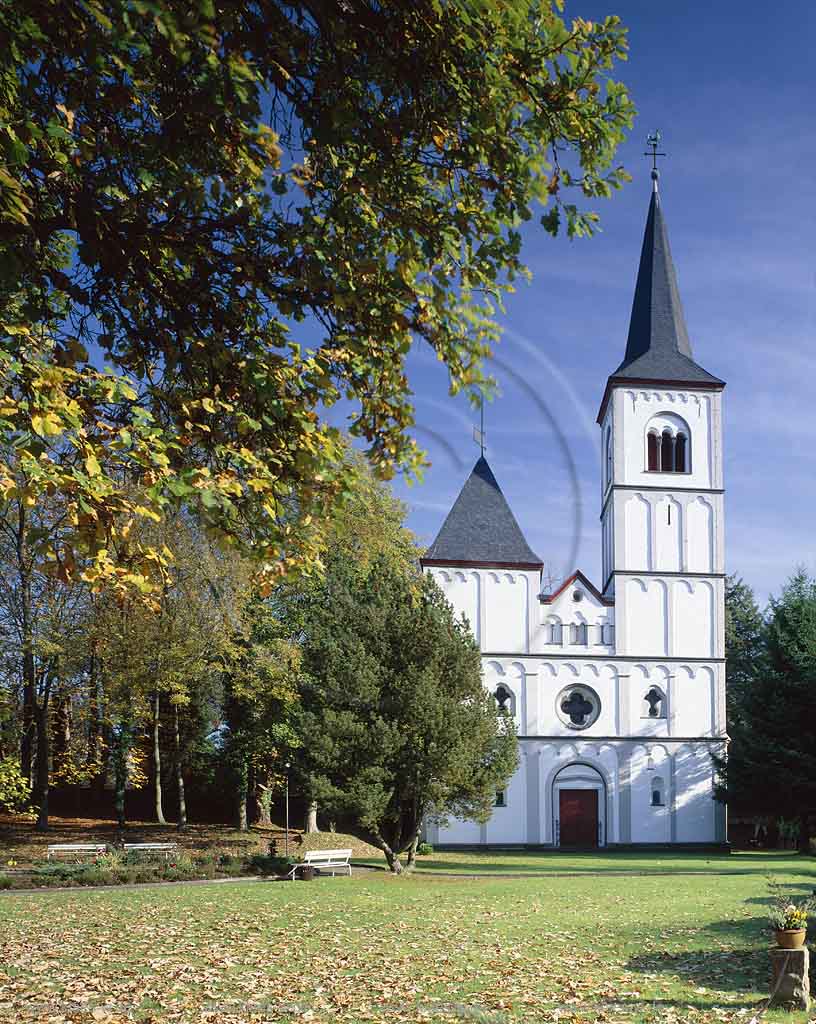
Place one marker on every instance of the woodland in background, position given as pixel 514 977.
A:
pixel 769 773
pixel 357 681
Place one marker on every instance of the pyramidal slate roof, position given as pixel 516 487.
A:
pixel 480 529
pixel 658 346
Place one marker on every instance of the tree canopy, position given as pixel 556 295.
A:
pixel 220 219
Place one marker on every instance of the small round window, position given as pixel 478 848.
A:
pixel 577 595
pixel 578 707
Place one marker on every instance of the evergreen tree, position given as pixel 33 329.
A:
pixel 395 721
pixel 771 763
pixel 744 646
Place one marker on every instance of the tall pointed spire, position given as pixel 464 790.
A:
pixel 658 347
pixel 481 529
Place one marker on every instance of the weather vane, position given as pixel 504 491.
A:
pixel 653 141
pixel 479 434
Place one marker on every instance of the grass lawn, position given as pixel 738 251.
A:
pixel 593 945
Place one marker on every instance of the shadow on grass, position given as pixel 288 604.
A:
pixel 742 966
pixel 736 970
pixel 673 1005
pixel 620 863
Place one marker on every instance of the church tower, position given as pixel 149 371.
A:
pixel 662 481
pixel 617 691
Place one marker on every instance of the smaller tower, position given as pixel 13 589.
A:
pixel 485 566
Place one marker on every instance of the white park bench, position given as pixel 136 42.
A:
pixel 324 860
pixel 165 848
pixel 76 848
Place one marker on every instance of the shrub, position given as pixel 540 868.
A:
pixel 267 864
pixel 14 788
pixel 180 867
pixel 424 850
pixel 6 882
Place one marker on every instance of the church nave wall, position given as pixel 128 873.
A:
pixel 574 698
pixel 647 793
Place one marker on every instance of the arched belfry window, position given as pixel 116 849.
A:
pixel 667 444
pixel 608 455
pixel 657 792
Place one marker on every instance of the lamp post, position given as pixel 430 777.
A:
pixel 287 766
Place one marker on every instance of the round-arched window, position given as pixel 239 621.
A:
pixel 667 444
pixel 578 706
pixel 654 703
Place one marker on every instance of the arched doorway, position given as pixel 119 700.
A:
pixel 579 807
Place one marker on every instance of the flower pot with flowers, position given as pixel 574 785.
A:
pixel 788 918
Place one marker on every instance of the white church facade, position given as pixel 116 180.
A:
pixel 617 691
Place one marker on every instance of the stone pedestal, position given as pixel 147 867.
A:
pixel 790 978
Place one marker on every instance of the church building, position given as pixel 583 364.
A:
pixel 617 691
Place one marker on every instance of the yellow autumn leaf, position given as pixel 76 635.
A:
pixel 47 425
pixel 92 466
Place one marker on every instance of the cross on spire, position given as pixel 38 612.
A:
pixel 653 141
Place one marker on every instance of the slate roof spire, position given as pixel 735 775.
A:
pixel 480 529
pixel 658 347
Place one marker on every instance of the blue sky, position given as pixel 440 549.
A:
pixel 731 85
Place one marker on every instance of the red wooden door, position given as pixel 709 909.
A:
pixel 578 813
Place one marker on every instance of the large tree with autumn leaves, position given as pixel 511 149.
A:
pixel 219 218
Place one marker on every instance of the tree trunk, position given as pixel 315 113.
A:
pixel 62 731
pixel 241 791
pixel 391 856
pixel 804 834
pixel 29 676
pixel 120 771
pixel 252 794
pixel 157 785
pixel 41 783
pixel 93 753
pixel 412 849
pixel 311 817
pixel 182 802
pixel 263 801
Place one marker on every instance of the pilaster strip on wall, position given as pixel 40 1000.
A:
pixel 533 781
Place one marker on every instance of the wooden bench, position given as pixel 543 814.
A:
pixel 165 848
pixel 324 860
pixel 76 848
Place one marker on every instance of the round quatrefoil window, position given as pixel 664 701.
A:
pixel 578 707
